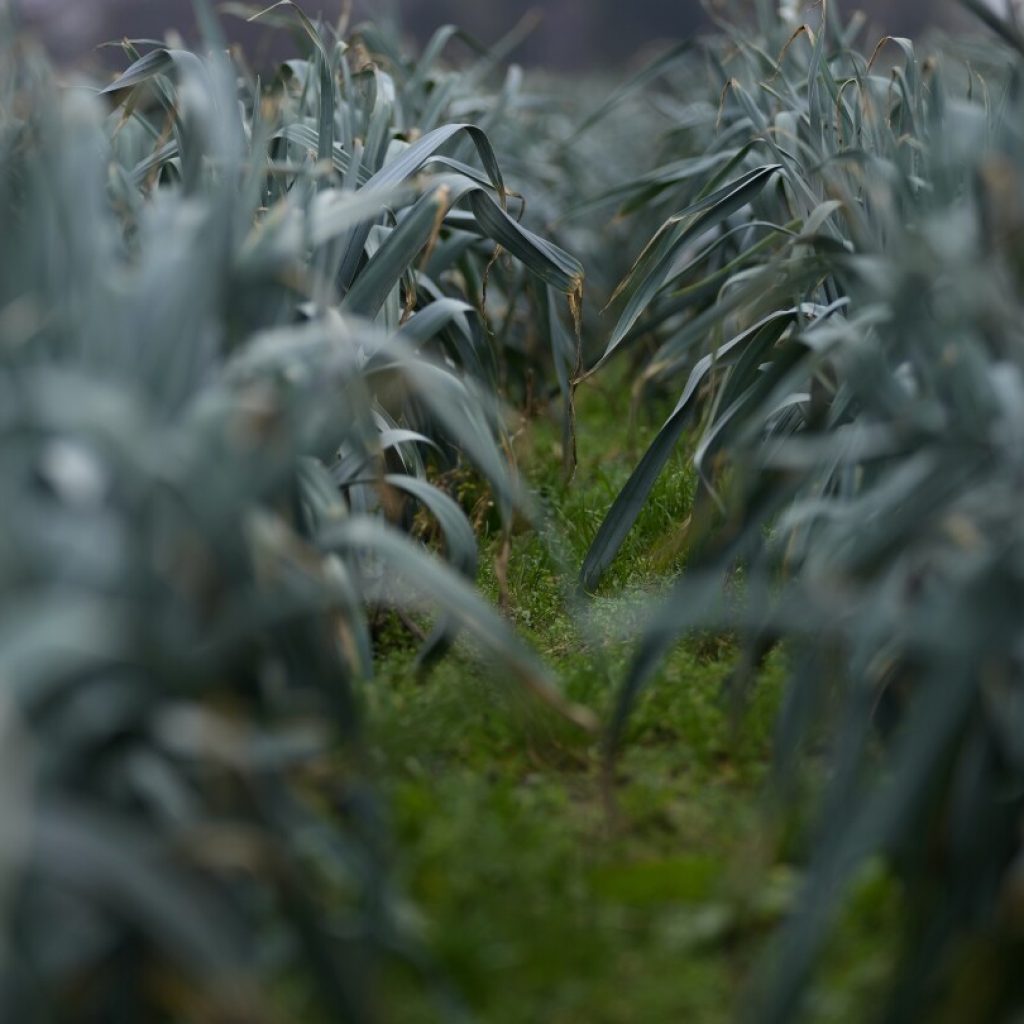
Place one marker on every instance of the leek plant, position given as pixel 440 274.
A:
pixel 836 286
pixel 242 340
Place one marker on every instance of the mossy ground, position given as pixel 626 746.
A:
pixel 546 894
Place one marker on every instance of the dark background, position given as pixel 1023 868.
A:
pixel 571 35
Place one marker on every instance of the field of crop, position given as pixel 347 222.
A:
pixel 490 547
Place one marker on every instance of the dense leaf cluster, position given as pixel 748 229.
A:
pixel 254 333
pixel 243 339
pixel 838 281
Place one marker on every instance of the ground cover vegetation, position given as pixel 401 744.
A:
pixel 389 633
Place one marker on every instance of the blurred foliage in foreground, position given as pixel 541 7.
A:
pixel 836 285
pixel 241 332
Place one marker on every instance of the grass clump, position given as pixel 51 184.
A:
pixel 545 890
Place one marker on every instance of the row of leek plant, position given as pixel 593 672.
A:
pixel 837 286
pixel 242 335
